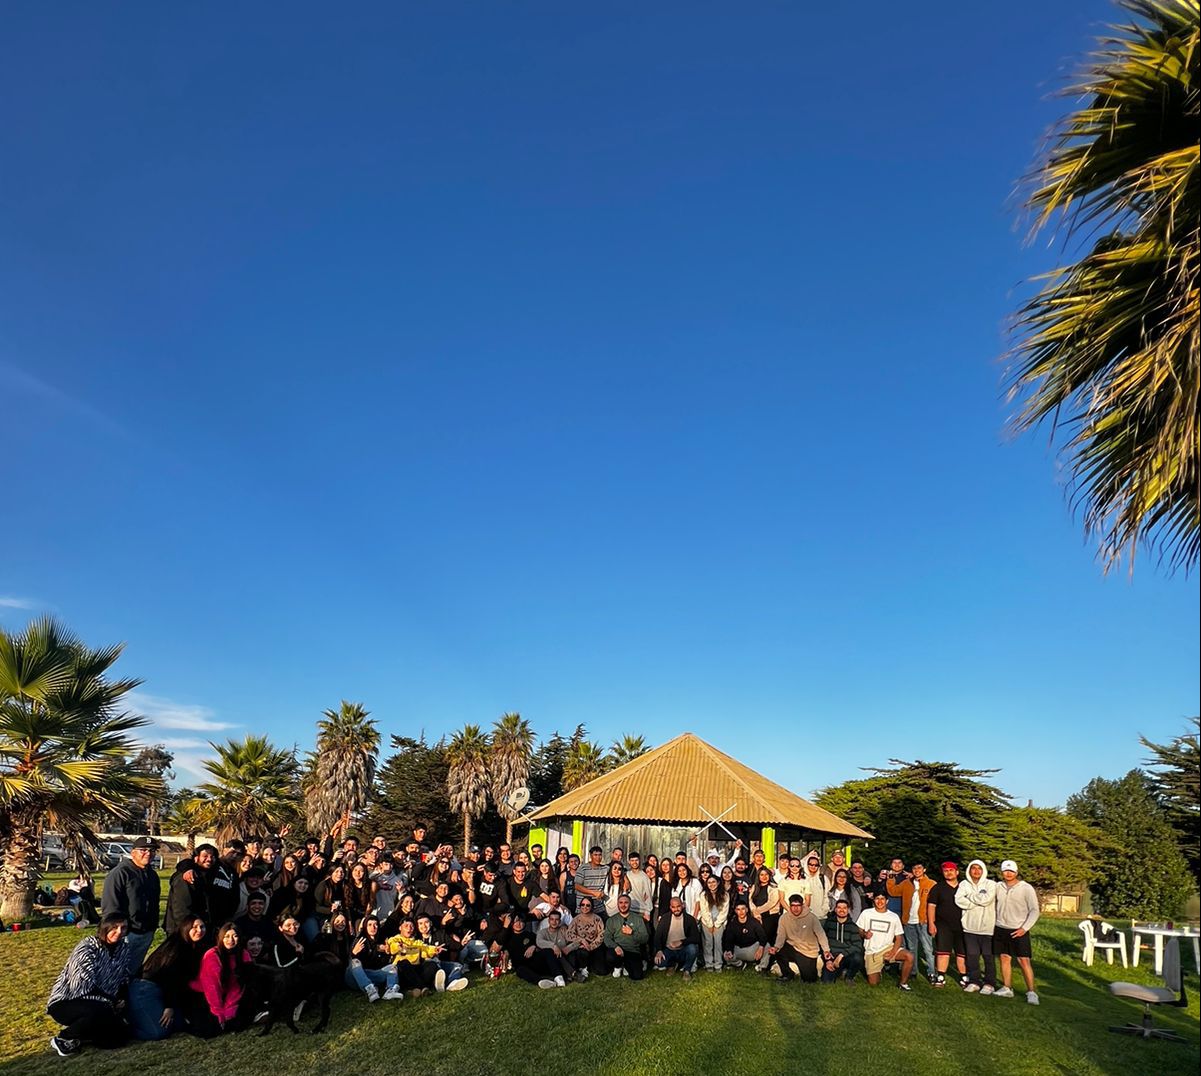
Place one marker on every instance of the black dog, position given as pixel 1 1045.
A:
pixel 283 989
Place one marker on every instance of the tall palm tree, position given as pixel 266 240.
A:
pixel 627 749
pixel 509 764
pixel 1108 351
pixel 252 790
pixel 342 767
pixel 585 762
pixel 64 749
pixel 467 779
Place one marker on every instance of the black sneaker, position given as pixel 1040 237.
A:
pixel 64 1047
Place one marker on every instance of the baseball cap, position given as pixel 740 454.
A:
pixel 145 842
pixel 950 865
pixel 1009 865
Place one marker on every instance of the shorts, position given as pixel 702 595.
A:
pixel 873 963
pixel 1005 944
pixel 949 939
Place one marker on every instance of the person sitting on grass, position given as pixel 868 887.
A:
pixel 370 968
pixel 229 1006
pixel 625 938
pixel 519 945
pixel 800 941
pixel 587 931
pixel 434 936
pixel 884 941
pixel 406 948
pixel 677 940
pixel 555 947
pixel 744 940
pixel 160 1001
pixel 88 996
pixel 844 958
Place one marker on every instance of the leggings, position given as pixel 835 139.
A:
pixel 96 1022
pixel 980 945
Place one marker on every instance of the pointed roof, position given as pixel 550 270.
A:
pixel 683 778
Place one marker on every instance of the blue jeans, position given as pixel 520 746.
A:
pixel 473 950
pixel 683 957
pixel 146 1010
pixel 360 977
pixel 852 965
pixel 139 946
pixel 454 970
pixel 921 945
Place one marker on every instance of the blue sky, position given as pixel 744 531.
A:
pixel 626 368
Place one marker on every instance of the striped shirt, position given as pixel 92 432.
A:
pixel 93 972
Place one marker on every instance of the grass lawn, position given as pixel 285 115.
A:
pixel 659 1027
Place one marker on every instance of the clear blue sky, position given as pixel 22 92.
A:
pixel 626 368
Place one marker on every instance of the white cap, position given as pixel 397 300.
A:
pixel 715 854
pixel 1009 865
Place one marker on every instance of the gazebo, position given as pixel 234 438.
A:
pixel 657 801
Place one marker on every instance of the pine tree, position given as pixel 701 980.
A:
pixel 1176 781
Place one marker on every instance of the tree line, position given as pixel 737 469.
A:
pixel 69 763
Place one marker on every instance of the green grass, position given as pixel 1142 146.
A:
pixel 658 1027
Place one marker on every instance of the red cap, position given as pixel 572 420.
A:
pixel 952 866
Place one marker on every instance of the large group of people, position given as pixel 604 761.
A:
pixel 412 918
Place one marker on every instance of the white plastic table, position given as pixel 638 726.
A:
pixel 1159 933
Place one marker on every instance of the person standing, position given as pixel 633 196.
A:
pixel 131 891
pixel 977 898
pixel 590 880
pixel 187 891
pixel 944 921
pixel 914 891
pixel 1017 912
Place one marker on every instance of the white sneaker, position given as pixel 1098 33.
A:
pixel 971 988
pixel 393 993
pixel 1002 992
pixel 546 984
pixel 584 974
pixel 617 973
pixel 986 989
pixel 625 972
pixel 1032 997
pixel 440 980
pixel 297 1011
pixel 458 984
pixel 560 981
pixel 371 992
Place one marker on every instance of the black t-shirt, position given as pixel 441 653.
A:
pixel 942 899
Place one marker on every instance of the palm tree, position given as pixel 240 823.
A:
pixel 252 790
pixel 64 749
pixel 627 749
pixel 509 764
pixel 585 762
pixel 1108 351
pixel 343 766
pixel 467 780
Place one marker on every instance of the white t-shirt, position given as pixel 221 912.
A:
pixel 914 903
pixel 885 927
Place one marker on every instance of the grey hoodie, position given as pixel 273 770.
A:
pixel 978 901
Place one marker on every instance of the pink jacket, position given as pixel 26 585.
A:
pixel 223 1004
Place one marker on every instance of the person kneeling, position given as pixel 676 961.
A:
pixel 884 936
pixel 677 940
pixel 625 938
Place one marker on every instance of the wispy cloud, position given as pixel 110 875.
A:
pixel 168 714
pixel 9 602
pixel 20 382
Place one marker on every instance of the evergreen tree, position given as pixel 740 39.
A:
pixel 921 811
pixel 1143 874
pixel 411 787
pixel 546 767
pixel 1056 852
pixel 1176 780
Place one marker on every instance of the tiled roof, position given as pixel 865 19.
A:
pixel 674 782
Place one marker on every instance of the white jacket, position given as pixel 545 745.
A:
pixel 978 901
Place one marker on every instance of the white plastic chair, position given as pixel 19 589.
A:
pixel 1091 945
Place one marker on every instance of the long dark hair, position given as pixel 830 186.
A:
pixel 177 948
pixel 231 959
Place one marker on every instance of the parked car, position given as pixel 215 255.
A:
pixel 110 853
